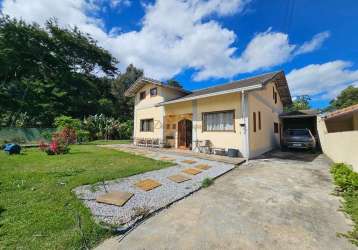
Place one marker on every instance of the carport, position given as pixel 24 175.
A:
pixel 300 119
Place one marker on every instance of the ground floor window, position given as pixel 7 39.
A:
pixel 275 127
pixel 219 121
pixel 147 125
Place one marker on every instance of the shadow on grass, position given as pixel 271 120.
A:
pixel 2 210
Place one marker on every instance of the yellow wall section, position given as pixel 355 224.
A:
pixel 146 109
pixel 265 139
pixel 258 100
pixel 222 139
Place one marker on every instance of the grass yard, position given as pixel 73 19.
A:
pixel 108 142
pixel 38 209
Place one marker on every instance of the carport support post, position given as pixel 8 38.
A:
pixel 245 128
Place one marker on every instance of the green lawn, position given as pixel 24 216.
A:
pixel 38 209
pixel 107 142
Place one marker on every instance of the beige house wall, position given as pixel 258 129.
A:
pixel 258 100
pixel 146 109
pixel 173 114
pixel 191 109
pixel 222 139
pixel 262 101
pixel 339 146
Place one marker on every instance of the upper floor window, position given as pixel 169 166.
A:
pixel 275 97
pixel 219 121
pixel 142 95
pixel 153 91
pixel 147 125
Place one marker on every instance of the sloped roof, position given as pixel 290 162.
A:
pixel 277 77
pixel 342 112
pixel 142 81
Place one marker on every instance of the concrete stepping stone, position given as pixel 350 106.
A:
pixel 178 178
pixel 147 184
pixel 115 198
pixel 203 166
pixel 167 158
pixel 192 171
pixel 189 161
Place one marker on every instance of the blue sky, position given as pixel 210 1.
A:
pixel 202 43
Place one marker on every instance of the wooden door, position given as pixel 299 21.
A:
pixel 184 133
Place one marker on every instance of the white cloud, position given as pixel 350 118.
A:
pixel 174 35
pixel 119 3
pixel 325 80
pixel 314 44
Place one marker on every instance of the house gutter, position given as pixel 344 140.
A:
pixel 245 124
pixel 253 87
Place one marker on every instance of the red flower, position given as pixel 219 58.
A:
pixel 54 146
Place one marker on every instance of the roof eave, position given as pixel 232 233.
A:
pixel 133 89
pixel 183 99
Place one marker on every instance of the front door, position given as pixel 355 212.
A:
pixel 184 133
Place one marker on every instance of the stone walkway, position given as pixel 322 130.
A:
pixel 174 183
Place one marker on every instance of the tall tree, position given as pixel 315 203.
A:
pixel 348 97
pixel 46 72
pixel 300 103
pixel 174 83
pixel 124 105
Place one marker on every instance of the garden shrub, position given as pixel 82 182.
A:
pixel 60 142
pixel 83 136
pixel 67 122
pixel 345 177
pixel 347 181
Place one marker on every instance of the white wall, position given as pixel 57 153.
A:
pixel 262 101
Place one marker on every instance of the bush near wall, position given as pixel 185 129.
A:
pixel 25 135
pixel 347 186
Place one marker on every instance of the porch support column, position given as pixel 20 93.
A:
pixel 135 125
pixel 195 122
pixel 245 121
pixel 161 129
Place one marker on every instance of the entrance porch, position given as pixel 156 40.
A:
pixel 178 131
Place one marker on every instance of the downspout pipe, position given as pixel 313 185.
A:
pixel 245 124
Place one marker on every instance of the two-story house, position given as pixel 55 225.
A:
pixel 242 115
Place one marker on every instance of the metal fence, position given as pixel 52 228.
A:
pixel 24 135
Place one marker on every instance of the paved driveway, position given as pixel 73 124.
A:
pixel 269 203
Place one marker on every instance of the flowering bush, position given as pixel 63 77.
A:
pixel 60 142
pixel 66 135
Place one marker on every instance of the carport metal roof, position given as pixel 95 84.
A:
pixel 300 113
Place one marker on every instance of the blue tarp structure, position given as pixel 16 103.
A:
pixel 12 148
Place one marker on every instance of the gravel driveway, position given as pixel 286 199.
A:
pixel 281 202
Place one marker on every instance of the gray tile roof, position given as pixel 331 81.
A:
pixel 234 85
pixel 277 77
